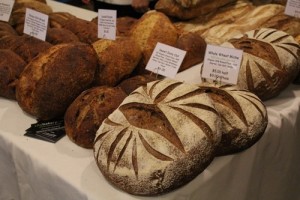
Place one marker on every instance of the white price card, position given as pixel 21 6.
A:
pixel 292 8
pixel 36 24
pixel 5 9
pixel 107 23
pixel 222 64
pixel 165 60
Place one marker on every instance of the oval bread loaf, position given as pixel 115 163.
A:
pixel 161 137
pixel 54 78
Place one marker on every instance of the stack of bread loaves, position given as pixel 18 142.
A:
pixel 166 133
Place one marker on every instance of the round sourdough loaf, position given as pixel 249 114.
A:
pixel 243 116
pixel 54 78
pixel 160 138
pixel 270 61
pixel 85 115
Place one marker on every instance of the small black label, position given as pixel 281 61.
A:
pixel 50 131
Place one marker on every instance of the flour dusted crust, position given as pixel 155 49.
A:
pixel 243 116
pixel 270 61
pixel 161 137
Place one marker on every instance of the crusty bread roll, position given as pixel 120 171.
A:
pixel 86 113
pixel 174 9
pixel 11 66
pixel 117 59
pixel 151 28
pixel 161 137
pixel 54 78
pixel 243 116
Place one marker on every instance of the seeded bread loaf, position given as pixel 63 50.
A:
pixel 243 116
pixel 86 113
pixel 160 138
pixel 54 78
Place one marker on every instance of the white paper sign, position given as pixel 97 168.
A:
pixel 292 8
pixel 222 64
pixel 165 60
pixel 36 24
pixel 107 24
pixel 5 9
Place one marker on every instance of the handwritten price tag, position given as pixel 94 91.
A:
pixel 36 24
pixel 5 9
pixel 222 64
pixel 165 60
pixel 107 24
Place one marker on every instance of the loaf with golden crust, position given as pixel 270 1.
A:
pixel 243 115
pixel 11 66
pixel 54 78
pixel 151 28
pixel 160 138
pixel 87 112
pixel 173 9
pixel 117 59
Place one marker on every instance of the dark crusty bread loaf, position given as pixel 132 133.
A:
pixel 54 78
pixel 11 66
pixel 87 112
pixel 28 47
pixel 160 138
pixel 86 31
pixel 243 116
pixel 130 84
pixel 6 30
pixel 195 47
pixel 117 59
pixel 60 35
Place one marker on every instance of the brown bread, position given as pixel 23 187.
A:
pixel 53 79
pixel 87 112
pixel 160 138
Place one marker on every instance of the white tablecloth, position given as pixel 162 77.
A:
pixel 32 169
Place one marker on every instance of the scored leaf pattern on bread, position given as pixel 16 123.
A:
pixel 147 121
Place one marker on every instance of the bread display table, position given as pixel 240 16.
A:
pixel 32 169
